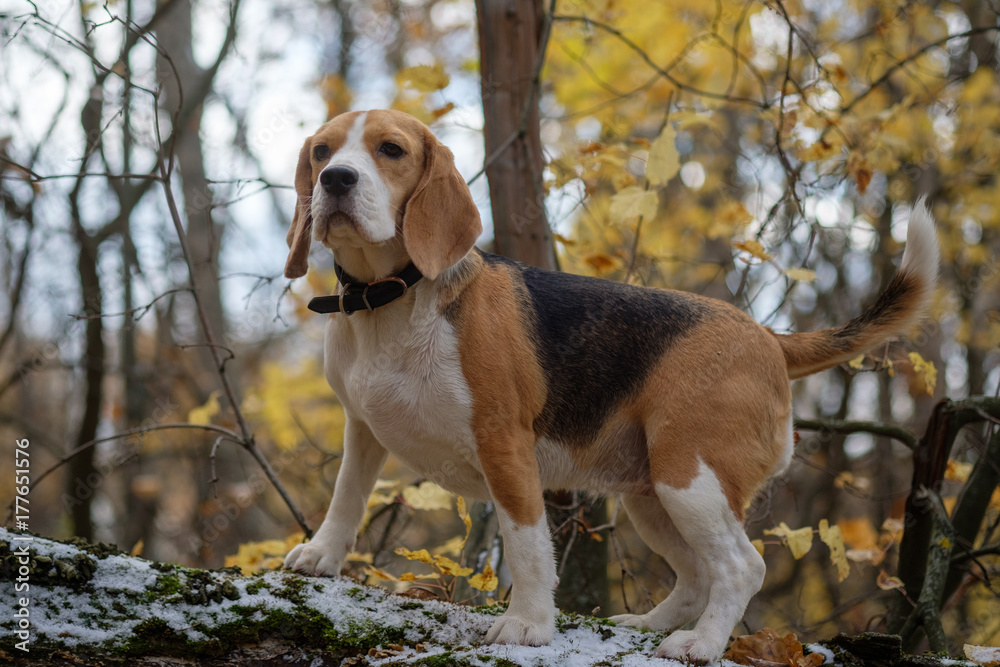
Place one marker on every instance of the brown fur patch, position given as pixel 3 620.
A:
pixel 719 395
pixel 895 310
pixel 507 385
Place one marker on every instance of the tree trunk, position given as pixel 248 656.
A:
pixel 510 34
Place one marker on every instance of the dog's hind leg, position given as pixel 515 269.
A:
pixel 704 518
pixel 690 594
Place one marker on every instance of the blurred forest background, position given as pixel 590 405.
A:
pixel 764 153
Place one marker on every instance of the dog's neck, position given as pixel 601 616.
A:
pixel 369 262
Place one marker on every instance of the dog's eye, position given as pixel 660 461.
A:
pixel 391 150
pixel 321 152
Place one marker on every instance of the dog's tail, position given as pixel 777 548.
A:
pixel 901 306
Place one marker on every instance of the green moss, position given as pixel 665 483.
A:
pixel 152 636
pixel 357 593
pixel 446 659
pixel 257 586
pixel 439 616
pixel 365 634
pixel 411 605
pixel 489 609
pixel 293 589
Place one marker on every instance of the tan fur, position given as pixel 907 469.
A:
pixel 815 351
pixel 441 221
pixel 720 395
pixel 705 428
pixel 508 390
pixel 307 170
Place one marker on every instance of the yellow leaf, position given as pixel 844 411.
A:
pixel 873 555
pixel 381 574
pixel 663 162
pixel 463 514
pixel 844 479
pixel 356 557
pixel 632 202
pixel 427 496
pixel 944 543
pixel 987 656
pixel 858 533
pixel 452 546
pixel 860 169
pixel 758 545
pixel 833 538
pixel 887 583
pixel 893 525
pixel 254 556
pixel 821 150
pixel 957 471
pixel 601 262
pixel 409 576
pixel 448 566
pixel 805 275
pixel 137 549
pixel 733 214
pixel 857 363
pixel 425 78
pixel 799 540
pixel 487 581
pixel 204 414
pixel 420 555
pixel 925 370
pixel 754 247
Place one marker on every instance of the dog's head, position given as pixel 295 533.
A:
pixel 370 177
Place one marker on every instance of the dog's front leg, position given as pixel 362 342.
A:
pixel 363 460
pixel 511 471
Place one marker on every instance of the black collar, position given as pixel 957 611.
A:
pixel 359 295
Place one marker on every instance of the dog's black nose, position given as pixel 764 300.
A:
pixel 338 180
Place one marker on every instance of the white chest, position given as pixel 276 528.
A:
pixel 404 380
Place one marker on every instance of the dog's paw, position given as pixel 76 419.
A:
pixel 631 620
pixel 511 629
pixel 692 647
pixel 314 559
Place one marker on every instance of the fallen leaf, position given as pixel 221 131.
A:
pixel 860 169
pixel 804 275
pixel 427 496
pixel 663 162
pixel 203 414
pixel 425 78
pixel 988 656
pixel 767 646
pixel 632 202
pixel 487 581
pixel 924 370
pixel 833 538
pixel 421 555
pixel 886 582
pixel 448 566
pixel 799 540
pixel 754 247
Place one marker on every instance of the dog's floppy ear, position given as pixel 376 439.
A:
pixel 300 233
pixel 440 222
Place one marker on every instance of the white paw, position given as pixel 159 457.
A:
pixel 315 558
pixel 631 620
pixel 511 629
pixel 693 647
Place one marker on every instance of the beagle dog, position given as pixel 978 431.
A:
pixel 499 380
